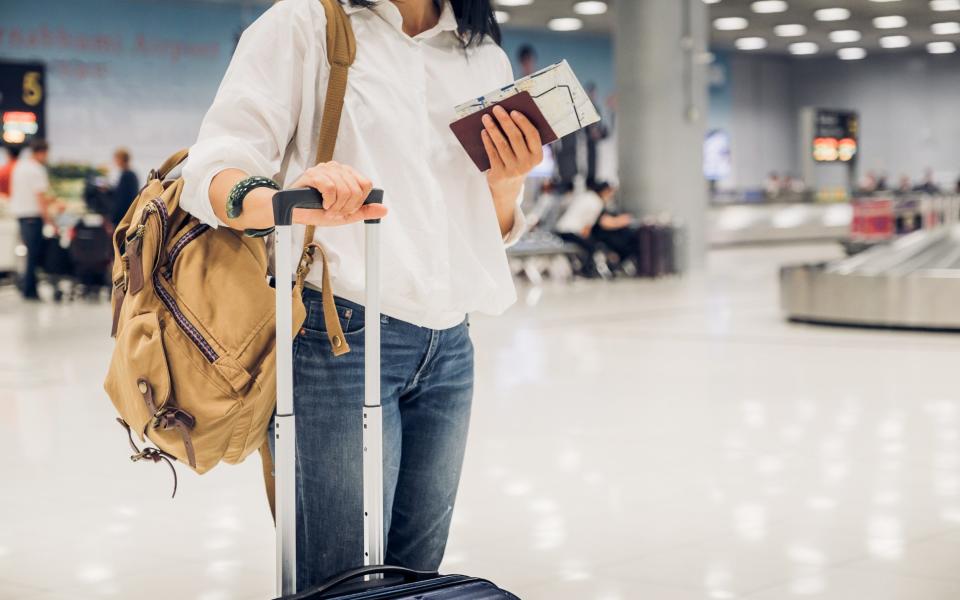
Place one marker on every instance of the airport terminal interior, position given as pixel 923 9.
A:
pixel 729 371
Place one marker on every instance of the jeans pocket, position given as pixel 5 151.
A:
pixel 351 319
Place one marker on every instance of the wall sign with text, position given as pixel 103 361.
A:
pixel 836 136
pixel 22 101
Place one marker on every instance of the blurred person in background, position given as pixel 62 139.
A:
pixel 903 185
pixel 928 185
pixel 576 224
pixel 772 185
pixel 595 133
pixel 882 185
pixel 614 228
pixel 527 57
pixel 30 200
pixel 127 187
pixel 6 171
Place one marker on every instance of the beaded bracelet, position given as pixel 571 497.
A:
pixel 258 233
pixel 239 192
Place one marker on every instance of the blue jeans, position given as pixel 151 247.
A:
pixel 426 390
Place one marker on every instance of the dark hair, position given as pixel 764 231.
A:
pixel 475 18
pixel 38 145
pixel 526 52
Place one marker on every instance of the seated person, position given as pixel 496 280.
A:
pixel 577 221
pixel 615 229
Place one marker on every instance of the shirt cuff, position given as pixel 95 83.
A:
pixel 519 224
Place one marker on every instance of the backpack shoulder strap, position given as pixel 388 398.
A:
pixel 341 51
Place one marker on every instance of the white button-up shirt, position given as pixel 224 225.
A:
pixel 443 254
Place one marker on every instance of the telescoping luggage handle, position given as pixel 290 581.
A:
pixel 284 203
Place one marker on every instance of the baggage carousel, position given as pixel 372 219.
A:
pixel 912 283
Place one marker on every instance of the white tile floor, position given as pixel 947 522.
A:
pixel 645 441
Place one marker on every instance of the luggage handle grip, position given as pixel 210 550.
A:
pixel 409 576
pixel 285 201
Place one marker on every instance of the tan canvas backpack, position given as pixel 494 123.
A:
pixel 193 368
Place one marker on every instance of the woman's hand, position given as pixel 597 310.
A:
pixel 344 191
pixel 514 148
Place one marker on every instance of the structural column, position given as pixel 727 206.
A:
pixel 661 56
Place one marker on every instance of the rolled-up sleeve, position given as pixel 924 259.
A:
pixel 256 109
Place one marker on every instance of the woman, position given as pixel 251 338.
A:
pixel 443 245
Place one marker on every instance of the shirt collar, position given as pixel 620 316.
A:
pixel 390 13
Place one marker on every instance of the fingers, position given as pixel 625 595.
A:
pixel 496 163
pixel 342 187
pixel 516 141
pixel 323 218
pixel 499 140
pixel 517 144
pixel 530 135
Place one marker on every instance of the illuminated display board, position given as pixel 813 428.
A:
pixel 836 136
pixel 22 101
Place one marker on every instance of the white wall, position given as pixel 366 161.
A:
pixel 908 104
pixel 762 119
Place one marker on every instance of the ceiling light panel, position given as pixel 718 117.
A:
pixel 946 28
pixel 514 2
pixel 750 43
pixel 502 16
pixel 790 30
pixel 730 24
pixel 803 48
pixel 890 22
pixel 832 14
pixel 590 7
pixel 565 24
pixel 768 6
pixel 944 5
pixel 894 41
pixel 941 47
pixel 851 53
pixel 845 36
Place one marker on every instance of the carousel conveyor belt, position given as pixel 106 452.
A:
pixel 913 282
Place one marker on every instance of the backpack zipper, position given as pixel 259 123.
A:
pixel 157 207
pixel 195 232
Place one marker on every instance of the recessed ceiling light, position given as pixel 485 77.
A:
pixel 941 48
pixel 884 0
pixel 851 53
pixel 768 6
pixel 502 16
pixel 730 24
pixel 944 5
pixel 946 28
pixel 845 36
pixel 514 2
pixel 565 24
pixel 803 48
pixel 894 41
pixel 790 30
pixel 890 22
pixel 711 1
pixel 750 43
pixel 590 7
pixel 832 14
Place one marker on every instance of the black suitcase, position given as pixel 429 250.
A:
pixel 91 251
pixel 374 581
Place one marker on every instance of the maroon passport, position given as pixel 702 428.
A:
pixel 468 128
